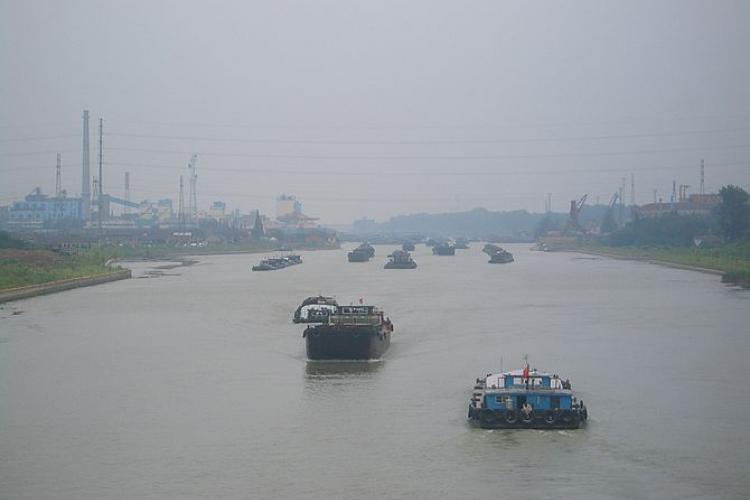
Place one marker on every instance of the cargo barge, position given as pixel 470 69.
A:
pixel 334 332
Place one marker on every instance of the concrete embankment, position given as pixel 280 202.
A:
pixel 58 286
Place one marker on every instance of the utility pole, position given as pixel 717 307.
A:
pixel 632 190
pixel 548 203
pixel 655 196
pixel 703 178
pixel 86 173
pixel 101 180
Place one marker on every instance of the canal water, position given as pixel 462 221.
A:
pixel 193 383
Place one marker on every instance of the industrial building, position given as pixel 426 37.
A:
pixel 39 210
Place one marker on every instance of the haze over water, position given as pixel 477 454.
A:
pixel 195 384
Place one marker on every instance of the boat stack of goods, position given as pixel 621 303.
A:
pixel 362 253
pixel 525 399
pixel 334 332
pixel 497 254
pixel 400 259
pixel 278 263
pixel 444 249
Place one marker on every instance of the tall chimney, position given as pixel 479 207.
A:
pixel 86 174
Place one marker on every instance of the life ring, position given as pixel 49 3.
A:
pixel 355 335
pixel 567 417
pixel 315 333
pixel 550 417
pixel 510 416
pixel 527 417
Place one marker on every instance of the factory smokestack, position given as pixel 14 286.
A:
pixel 86 174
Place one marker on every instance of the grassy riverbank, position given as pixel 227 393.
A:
pixel 733 260
pixel 166 252
pixel 32 267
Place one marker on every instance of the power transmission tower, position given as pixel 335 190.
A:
pixel 181 206
pixel 127 191
pixel 193 196
pixel 58 178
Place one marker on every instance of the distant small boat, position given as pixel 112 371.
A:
pixel 362 253
pixel 408 246
pixel 497 254
pixel 400 259
pixel 276 263
pixel 444 249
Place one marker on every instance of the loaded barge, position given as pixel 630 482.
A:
pixel 278 263
pixel 362 253
pixel 334 332
pixel 525 399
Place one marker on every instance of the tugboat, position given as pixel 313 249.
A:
pixel 277 263
pixel 337 332
pixel 461 244
pixel 525 399
pixel 362 253
pixel 400 259
pixel 444 249
pixel 497 254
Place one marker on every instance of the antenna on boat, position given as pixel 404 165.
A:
pixel 501 365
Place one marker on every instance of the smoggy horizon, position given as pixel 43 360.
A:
pixel 375 110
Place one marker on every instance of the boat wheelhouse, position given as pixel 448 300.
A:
pixel 525 399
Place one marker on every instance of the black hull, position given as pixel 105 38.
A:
pixel 489 419
pixel 358 258
pixel 326 342
pixel 392 265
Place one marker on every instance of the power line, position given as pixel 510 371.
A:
pixel 401 173
pixel 429 141
pixel 430 157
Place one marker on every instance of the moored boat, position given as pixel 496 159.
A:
pixel 525 399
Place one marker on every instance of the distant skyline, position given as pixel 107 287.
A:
pixel 375 109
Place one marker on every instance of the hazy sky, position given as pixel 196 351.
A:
pixel 377 108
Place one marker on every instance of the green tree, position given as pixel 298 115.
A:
pixel 734 212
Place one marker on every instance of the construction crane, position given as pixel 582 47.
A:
pixel 575 209
pixel 609 223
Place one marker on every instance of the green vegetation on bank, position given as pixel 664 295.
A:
pixel 33 267
pixel 718 242
pixel 169 251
